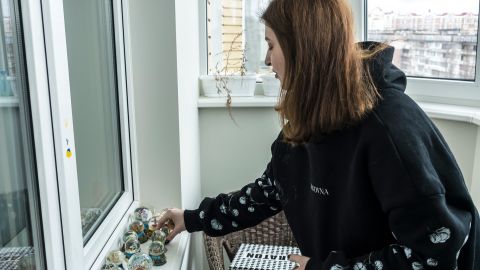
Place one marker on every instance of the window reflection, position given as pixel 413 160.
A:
pixel 95 107
pixel 20 227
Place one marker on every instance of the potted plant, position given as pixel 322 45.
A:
pixel 229 79
pixel 271 85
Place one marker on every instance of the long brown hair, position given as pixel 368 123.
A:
pixel 327 87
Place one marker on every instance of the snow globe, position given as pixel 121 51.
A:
pixel 140 261
pixel 157 253
pixel 132 246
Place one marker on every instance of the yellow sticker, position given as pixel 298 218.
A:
pixel 69 153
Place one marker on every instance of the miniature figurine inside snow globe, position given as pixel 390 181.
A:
pixel 157 253
pixel 132 246
pixel 116 257
pixel 111 266
pixel 153 223
pixel 127 236
pixel 170 225
pixel 143 214
pixel 138 227
pixel 160 236
pixel 167 229
pixel 140 261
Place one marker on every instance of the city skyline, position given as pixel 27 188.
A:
pixel 424 6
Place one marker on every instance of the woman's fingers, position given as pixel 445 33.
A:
pixel 173 234
pixel 165 216
pixel 174 215
pixel 301 261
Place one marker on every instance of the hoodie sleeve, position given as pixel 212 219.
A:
pixel 421 190
pixel 238 210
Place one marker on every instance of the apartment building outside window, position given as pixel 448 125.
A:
pixel 432 39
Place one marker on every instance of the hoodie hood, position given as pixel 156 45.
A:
pixel 384 73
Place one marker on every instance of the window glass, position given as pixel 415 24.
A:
pixel 432 38
pixel 21 241
pixel 95 107
pixel 236 36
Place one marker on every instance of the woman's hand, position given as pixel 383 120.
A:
pixel 300 260
pixel 175 215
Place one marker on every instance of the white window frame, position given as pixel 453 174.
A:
pixel 46 53
pixel 42 126
pixel 202 37
pixel 449 92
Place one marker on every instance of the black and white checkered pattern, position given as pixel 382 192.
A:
pixel 10 257
pixel 265 257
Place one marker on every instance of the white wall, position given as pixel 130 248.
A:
pixel 152 31
pixel 187 15
pixel 462 139
pixel 234 155
pixel 166 114
pixel 475 185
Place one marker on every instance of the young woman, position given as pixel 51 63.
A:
pixel 364 177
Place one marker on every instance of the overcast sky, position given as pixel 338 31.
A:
pixel 421 6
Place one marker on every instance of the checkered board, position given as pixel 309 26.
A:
pixel 10 257
pixel 263 257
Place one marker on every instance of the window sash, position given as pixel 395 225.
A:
pixel 41 121
pixel 51 107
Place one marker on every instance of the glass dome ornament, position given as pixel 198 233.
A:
pixel 159 235
pixel 129 234
pixel 138 227
pixel 157 253
pixel 140 261
pixel 132 246
pixel 143 214
pixel 153 224
pixel 116 257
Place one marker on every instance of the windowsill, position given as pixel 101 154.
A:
pixel 176 249
pixel 175 252
pixel 434 110
pixel 452 112
pixel 255 101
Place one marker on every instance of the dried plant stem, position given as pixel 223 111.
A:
pixel 221 74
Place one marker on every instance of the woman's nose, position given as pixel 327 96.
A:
pixel 267 59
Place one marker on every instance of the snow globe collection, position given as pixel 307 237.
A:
pixel 144 227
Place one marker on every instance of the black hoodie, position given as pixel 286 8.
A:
pixel 384 194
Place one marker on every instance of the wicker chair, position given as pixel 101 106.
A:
pixel 272 231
